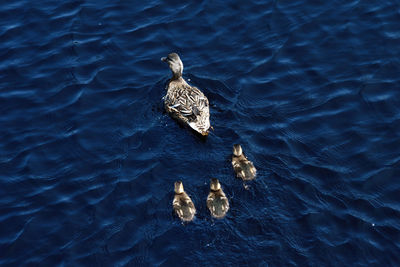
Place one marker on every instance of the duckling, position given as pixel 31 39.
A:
pixel 185 103
pixel 217 202
pixel 243 167
pixel 182 204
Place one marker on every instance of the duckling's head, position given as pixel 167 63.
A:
pixel 237 150
pixel 215 185
pixel 179 187
pixel 175 64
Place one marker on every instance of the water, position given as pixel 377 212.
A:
pixel 88 157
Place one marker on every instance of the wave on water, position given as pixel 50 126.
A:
pixel 88 156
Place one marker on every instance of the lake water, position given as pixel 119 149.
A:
pixel 88 156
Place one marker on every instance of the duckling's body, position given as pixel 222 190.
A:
pixel 217 202
pixel 184 102
pixel 183 204
pixel 243 167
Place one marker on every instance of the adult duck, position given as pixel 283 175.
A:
pixel 185 103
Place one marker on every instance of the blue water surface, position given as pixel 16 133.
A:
pixel 88 156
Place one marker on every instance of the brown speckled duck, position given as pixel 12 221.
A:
pixel 217 202
pixel 184 102
pixel 243 167
pixel 182 204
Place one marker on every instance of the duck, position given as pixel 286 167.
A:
pixel 185 103
pixel 182 203
pixel 243 167
pixel 217 202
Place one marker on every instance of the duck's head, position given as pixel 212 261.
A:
pixel 237 150
pixel 215 185
pixel 175 64
pixel 178 187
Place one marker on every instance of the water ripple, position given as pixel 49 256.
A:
pixel 88 156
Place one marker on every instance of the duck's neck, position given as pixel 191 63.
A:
pixel 178 80
pixel 176 76
pixel 239 157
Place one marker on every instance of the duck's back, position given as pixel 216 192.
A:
pixel 188 104
pixel 244 168
pixel 217 204
pixel 182 97
pixel 184 207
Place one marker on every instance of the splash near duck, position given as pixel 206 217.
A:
pixel 243 167
pixel 185 103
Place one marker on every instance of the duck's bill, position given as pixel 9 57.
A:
pixel 164 59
